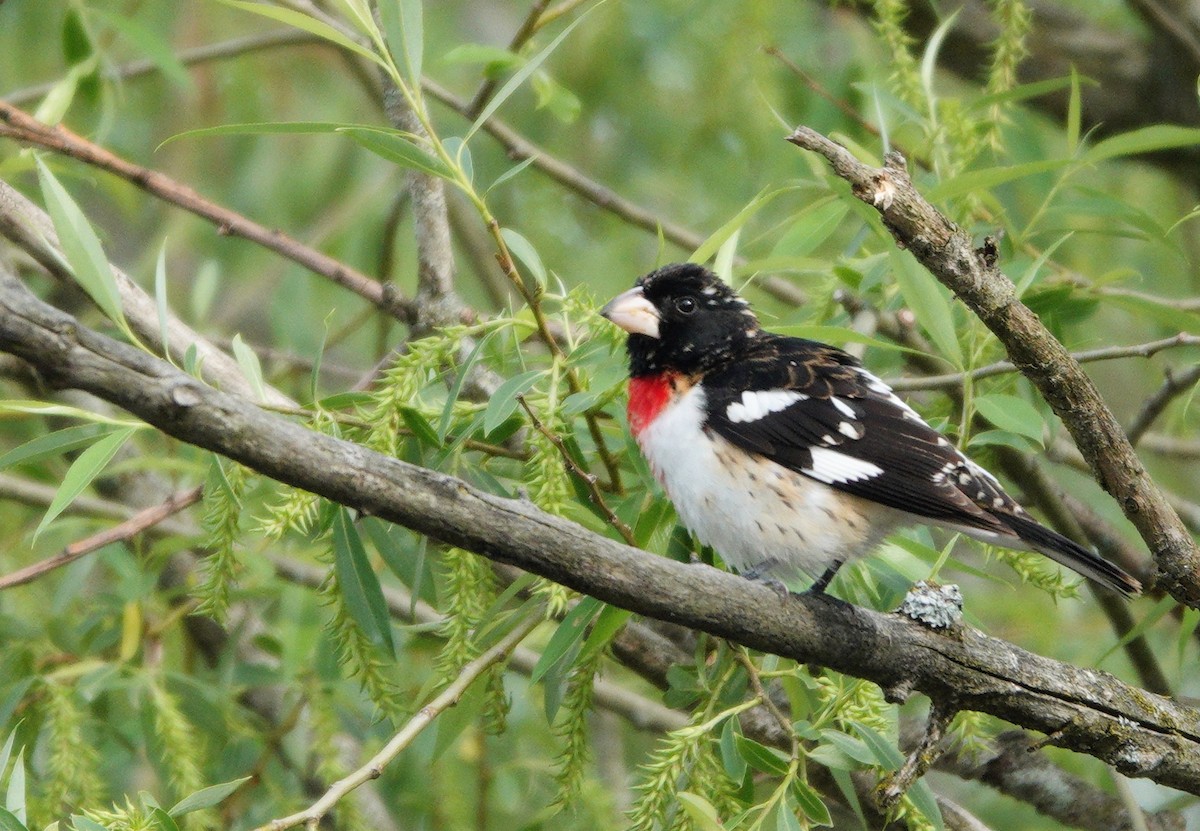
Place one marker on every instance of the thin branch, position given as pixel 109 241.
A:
pixel 310 818
pixel 127 530
pixel 893 786
pixel 20 126
pixel 972 275
pixel 1174 386
pixel 1107 353
pixel 1140 733
pixel 232 48
pixel 588 479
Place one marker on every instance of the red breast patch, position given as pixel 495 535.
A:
pixel 648 395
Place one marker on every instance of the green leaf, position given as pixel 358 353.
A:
pixel 703 814
pixel 149 43
pixel 494 57
pixel 359 584
pixel 927 300
pixel 569 634
pixel 456 388
pixel 404 31
pixel 163 820
pixel 1144 623
pixel 86 467
pixel 54 444
pixel 510 173
pixel 1144 140
pixel 6 751
pixel 399 149
pixel 734 763
pixel 251 368
pixel 457 149
pixel 760 757
pixel 710 246
pixel 1074 113
pixel 811 227
pixel 308 24
pixel 884 752
pixel 14 798
pixel 503 402
pixel 973 181
pixel 783 817
pixel 840 335
pixel 43 408
pixel 526 253
pixel 1031 273
pixel 852 747
pixel 206 797
pixel 420 426
pixel 1008 412
pixel 81 823
pixel 9 822
pixel 923 798
pixel 520 76
pixel 608 623
pixel 811 803
pixel 81 246
pixel 262 128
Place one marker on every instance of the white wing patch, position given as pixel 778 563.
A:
pixel 875 384
pixel 834 468
pixel 754 405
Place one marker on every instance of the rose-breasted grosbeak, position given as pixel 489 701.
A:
pixel 786 455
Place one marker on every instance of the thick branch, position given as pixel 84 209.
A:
pixel 972 275
pixel 1141 734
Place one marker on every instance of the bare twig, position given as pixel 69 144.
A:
pixel 232 48
pixel 136 524
pixel 972 275
pixel 588 479
pixel 310 818
pixel 1174 386
pixel 1108 353
pixel 893 786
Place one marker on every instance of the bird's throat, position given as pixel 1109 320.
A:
pixel 649 395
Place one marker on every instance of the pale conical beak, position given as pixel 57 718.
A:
pixel 633 313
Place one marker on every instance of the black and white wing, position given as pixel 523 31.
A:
pixel 814 409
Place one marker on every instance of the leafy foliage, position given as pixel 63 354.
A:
pixel 337 631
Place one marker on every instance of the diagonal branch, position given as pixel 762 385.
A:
pixel 950 255
pixel 1140 733
pixel 20 126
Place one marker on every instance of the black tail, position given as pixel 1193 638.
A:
pixel 1072 555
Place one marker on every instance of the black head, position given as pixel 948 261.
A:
pixel 681 317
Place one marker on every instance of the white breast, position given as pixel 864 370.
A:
pixel 756 513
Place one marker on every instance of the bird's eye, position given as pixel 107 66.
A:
pixel 686 305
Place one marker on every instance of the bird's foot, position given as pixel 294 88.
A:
pixel 761 573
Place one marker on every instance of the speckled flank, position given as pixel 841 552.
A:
pixel 756 513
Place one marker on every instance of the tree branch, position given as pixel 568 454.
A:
pixel 1141 734
pixel 948 253
pixel 20 126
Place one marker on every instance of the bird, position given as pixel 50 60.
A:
pixel 787 455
